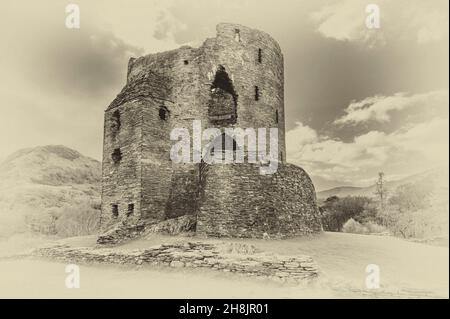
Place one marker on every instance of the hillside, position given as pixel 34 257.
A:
pixel 38 185
pixel 437 176
pixel 341 191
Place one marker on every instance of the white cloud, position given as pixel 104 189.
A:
pixel 342 20
pixel 402 152
pixel 425 21
pixel 431 24
pixel 379 108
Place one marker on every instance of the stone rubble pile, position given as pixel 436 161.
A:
pixel 123 232
pixel 120 233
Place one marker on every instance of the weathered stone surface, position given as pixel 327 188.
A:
pixel 236 201
pixel 121 232
pixel 127 230
pixel 173 226
pixel 233 80
pixel 192 255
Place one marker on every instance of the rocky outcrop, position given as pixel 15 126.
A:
pixel 227 257
pixel 123 232
pixel 173 226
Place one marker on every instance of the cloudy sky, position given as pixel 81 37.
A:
pixel 358 100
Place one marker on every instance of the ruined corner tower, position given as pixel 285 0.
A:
pixel 233 80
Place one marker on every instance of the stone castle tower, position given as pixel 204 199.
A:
pixel 233 80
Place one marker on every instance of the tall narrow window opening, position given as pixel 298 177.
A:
pixel 130 210
pixel 163 113
pixel 237 35
pixel 115 210
pixel 115 122
pixel 256 93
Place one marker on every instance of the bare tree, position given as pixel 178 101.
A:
pixel 381 191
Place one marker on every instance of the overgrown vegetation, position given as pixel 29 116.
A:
pixel 66 221
pixel 415 210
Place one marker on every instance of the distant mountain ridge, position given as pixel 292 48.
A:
pixel 49 165
pixel 439 175
pixel 44 181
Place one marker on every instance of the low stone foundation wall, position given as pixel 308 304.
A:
pixel 226 257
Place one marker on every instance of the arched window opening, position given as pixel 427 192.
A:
pixel 116 155
pixel 223 143
pixel 163 113
pixel 276 116
pixel 237 35
pixel 260 55
pixel 115 122
pixel 222 105
pixel 222 81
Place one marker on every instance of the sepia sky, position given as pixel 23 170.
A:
pixel 357 100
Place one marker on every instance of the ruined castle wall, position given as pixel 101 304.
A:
pixel 156 170
pixel 241 62
pixel 239 202
pixel 169 189
pixel 180 82
pixel 233 203
pixel 121 180
pixel 295 200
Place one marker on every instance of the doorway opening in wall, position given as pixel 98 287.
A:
pixel 224 143
pixel 221 144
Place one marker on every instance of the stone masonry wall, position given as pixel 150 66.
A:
pixel 127 170
pixel 239 202
pixel 220 257
pixel 233 200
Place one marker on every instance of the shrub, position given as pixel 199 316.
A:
pixel 352 226
pixel 69 220
pixel 336 211
pixel 416 211
pixel 78 220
